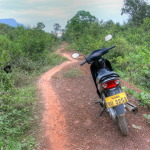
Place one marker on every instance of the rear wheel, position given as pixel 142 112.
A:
pixel 123 125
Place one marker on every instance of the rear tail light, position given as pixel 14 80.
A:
pixel 110 84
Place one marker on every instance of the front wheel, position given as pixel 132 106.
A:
pixel 123 125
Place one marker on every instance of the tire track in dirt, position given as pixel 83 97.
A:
pixel 53 120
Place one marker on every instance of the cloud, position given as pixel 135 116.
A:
pixel 57 11
pixel 62 6
pixel 94 2
pixel 32 1
pixel 52 12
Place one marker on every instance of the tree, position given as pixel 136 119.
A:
pixel 78 24
pixel 57 29
pixel 40 25
pixel 81 20
pixel 137 10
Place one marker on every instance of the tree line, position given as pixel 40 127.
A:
pixel 24 54
pixel 85 33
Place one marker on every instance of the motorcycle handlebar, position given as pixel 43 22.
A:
pixel 111 47
pixel 104 52
pixel 107 49
pixel 83 63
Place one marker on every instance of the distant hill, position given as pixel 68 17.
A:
pixel 11 22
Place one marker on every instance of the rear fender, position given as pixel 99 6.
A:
pixel 120 110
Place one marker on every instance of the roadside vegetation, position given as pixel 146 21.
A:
pixel 131 57
pixel 24 54
pixel 27 52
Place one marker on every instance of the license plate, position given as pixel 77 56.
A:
pixel 116 99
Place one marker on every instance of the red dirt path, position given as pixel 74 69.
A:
pixel 70 116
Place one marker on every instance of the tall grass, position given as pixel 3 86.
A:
pixel 17 118
pixel 29 52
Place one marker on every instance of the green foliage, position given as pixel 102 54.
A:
pixel 40 26
pixel 74 72
pixel 5 81
pixel 16 117
pixel 137 10
pixel 16 104
pixel 5 50
pixel 131 55
pixel 79 25
pixel 147 117
pixel 142 97
pixel 12 144
pixel 29 52
pixel 57 29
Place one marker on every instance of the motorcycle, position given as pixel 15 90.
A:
pixel 112 97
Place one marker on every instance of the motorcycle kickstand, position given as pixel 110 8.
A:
pixel 102 111
pixel 101 106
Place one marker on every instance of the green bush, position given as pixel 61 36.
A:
pixel 29 53
pixel 5 81
pixel 5 50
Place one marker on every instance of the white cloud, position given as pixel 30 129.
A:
pixel 94 2
pixel 32 1
pixel 52 12
pixel 57 11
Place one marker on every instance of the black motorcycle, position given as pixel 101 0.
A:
pixel 107 82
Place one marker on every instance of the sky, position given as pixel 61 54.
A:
pixel 30 12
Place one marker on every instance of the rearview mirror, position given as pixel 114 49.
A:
pixel 108 37
pixel 75 55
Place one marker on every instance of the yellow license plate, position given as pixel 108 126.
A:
pixel 116 99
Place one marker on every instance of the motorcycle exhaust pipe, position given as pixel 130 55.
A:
pixel 132 108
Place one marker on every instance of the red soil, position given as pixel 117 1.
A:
pixel 71 118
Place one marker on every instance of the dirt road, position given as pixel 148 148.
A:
pixel 71 118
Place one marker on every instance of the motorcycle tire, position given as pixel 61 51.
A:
pixel 123 125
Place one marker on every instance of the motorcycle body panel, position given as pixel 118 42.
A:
pixel 120 110
pixel 105 75
pixel 102 75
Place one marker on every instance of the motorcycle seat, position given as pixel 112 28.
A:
pixel 104 74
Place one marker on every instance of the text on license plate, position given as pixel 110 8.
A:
pixel 117 99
